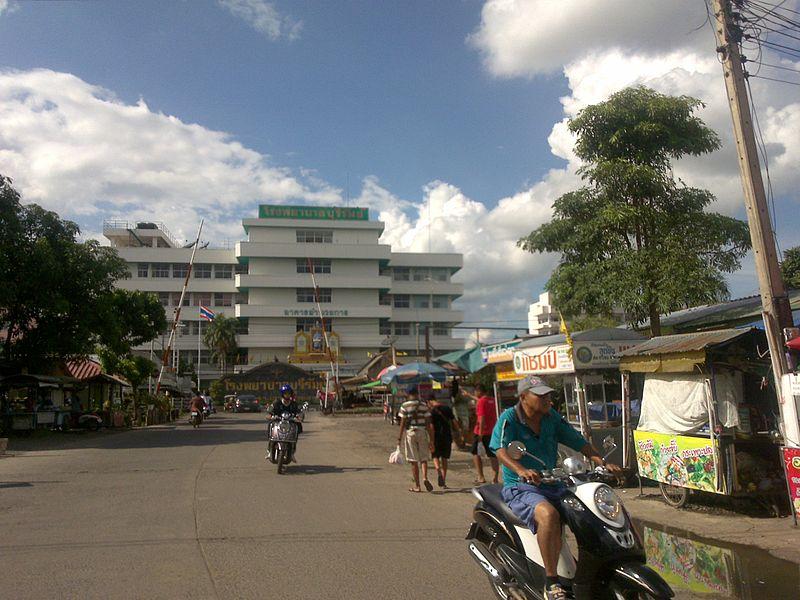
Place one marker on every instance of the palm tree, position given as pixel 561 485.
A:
pixel 220 338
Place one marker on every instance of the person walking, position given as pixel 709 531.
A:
pixel 486 413
pixel 444 422
pixel 416 436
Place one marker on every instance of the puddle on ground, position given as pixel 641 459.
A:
pixel 701 568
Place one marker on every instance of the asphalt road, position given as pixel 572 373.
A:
pixel 172 512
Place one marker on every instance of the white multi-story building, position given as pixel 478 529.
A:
pixel 543 317
pixel 370 296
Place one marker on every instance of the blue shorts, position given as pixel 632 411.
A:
pixel 523 498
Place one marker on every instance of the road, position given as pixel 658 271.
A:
pixel 172 512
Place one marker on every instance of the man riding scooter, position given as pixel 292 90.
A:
pixel 540 428
pixel 197 405
pixel 285 404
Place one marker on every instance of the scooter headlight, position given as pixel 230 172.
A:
pixel 284 427
pixel 607 502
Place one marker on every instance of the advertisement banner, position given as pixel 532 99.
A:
pixel 791 464
pixel 544 360
pixel 506 372
pixel 680 460
pixel 498 353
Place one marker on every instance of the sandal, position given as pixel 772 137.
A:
pixel 428 485
pixel 440 479
pixel 415 490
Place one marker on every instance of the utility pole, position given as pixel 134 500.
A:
pixel 776 309
pixel 427 343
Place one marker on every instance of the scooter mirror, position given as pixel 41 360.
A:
pixel 516 450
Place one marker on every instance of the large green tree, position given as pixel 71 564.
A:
pixel 58 297
pixel 220 338
pixel 790 267
pixel 633 236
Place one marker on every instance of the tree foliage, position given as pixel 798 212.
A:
pixel 632 236
pixel 220 338
pixel 57 298
pixel 790 268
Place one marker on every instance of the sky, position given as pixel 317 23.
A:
pixel 447 119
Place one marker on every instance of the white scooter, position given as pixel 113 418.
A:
pixel 611 560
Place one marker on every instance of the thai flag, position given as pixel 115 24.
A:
pixel 207 313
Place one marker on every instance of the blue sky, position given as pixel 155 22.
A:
pixel 385 89
pixel 445 118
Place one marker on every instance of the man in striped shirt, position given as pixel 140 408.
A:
pixel 416 435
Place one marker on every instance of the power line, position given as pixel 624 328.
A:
pixel 774 79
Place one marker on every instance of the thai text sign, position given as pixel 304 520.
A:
pixel 599 355
pixel 310 312
pixel 254 387
pixel 327 213
pixel 680 460
pixel 791 464
pixel 497 353
pixel 543 360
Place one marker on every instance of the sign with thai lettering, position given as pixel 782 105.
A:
pixel 507 373
pixel 311 312
pixel 497 353
pixel 325 213
pixel 599 355
pixel 791 465
pixel 543 360
pixel 679 460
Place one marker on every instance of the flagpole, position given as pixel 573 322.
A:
pixel 199 327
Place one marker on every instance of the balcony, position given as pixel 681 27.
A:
pixel 294 250
pixel 436 288
pixel 304 280
pixel 334 311
pixel 427 315
pixel 174 284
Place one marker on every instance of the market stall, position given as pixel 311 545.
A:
pixel 585 366
pixel 35 401
pixel 709 419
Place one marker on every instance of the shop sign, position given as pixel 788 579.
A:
pixel 794 379
pixel 268 386
pixel 326 213
pixel 689 565
pixel 310 312
pixel 506 372
pixel 680 460
pixel 791 464
pixel 497 353
pixel 599 355
pixel 544 361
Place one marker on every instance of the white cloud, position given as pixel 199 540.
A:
pixel 603 47
pixel 264 18
pixel 74 147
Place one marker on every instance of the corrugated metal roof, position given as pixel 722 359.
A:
pixel 600 334
pixel 83 369
pixel 684 342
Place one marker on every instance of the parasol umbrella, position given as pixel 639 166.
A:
pixel 414 373
pixel 385 370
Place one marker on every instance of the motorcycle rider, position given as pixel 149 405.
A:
pixel 536 424
pixel 197 405
pixel 286 404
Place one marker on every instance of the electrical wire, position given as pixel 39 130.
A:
pixel 774 79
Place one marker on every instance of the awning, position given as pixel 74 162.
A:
pixel 469 359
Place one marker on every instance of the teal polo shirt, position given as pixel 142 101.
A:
pixel 554 431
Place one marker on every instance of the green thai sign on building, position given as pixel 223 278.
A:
pixel 328 213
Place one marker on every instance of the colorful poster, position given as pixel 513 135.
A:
pixel 677 460
pixel 791 463
pixel 689 565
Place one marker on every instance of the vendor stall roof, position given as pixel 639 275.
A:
pixel 468 360
pixel 601 334
pixel 684 342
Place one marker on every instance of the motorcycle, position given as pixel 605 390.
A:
pixel 283 431
pixel 611 560
pixel 196 418
pixel 88 421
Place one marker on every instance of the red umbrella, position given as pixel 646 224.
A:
pixel 794 344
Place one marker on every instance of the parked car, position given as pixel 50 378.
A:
pixel 246 404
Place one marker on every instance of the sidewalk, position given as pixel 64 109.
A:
pixel 775 535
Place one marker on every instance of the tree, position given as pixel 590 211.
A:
pixel 220 338
pixel 58 296
pixel 790 267
pixel 633 236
